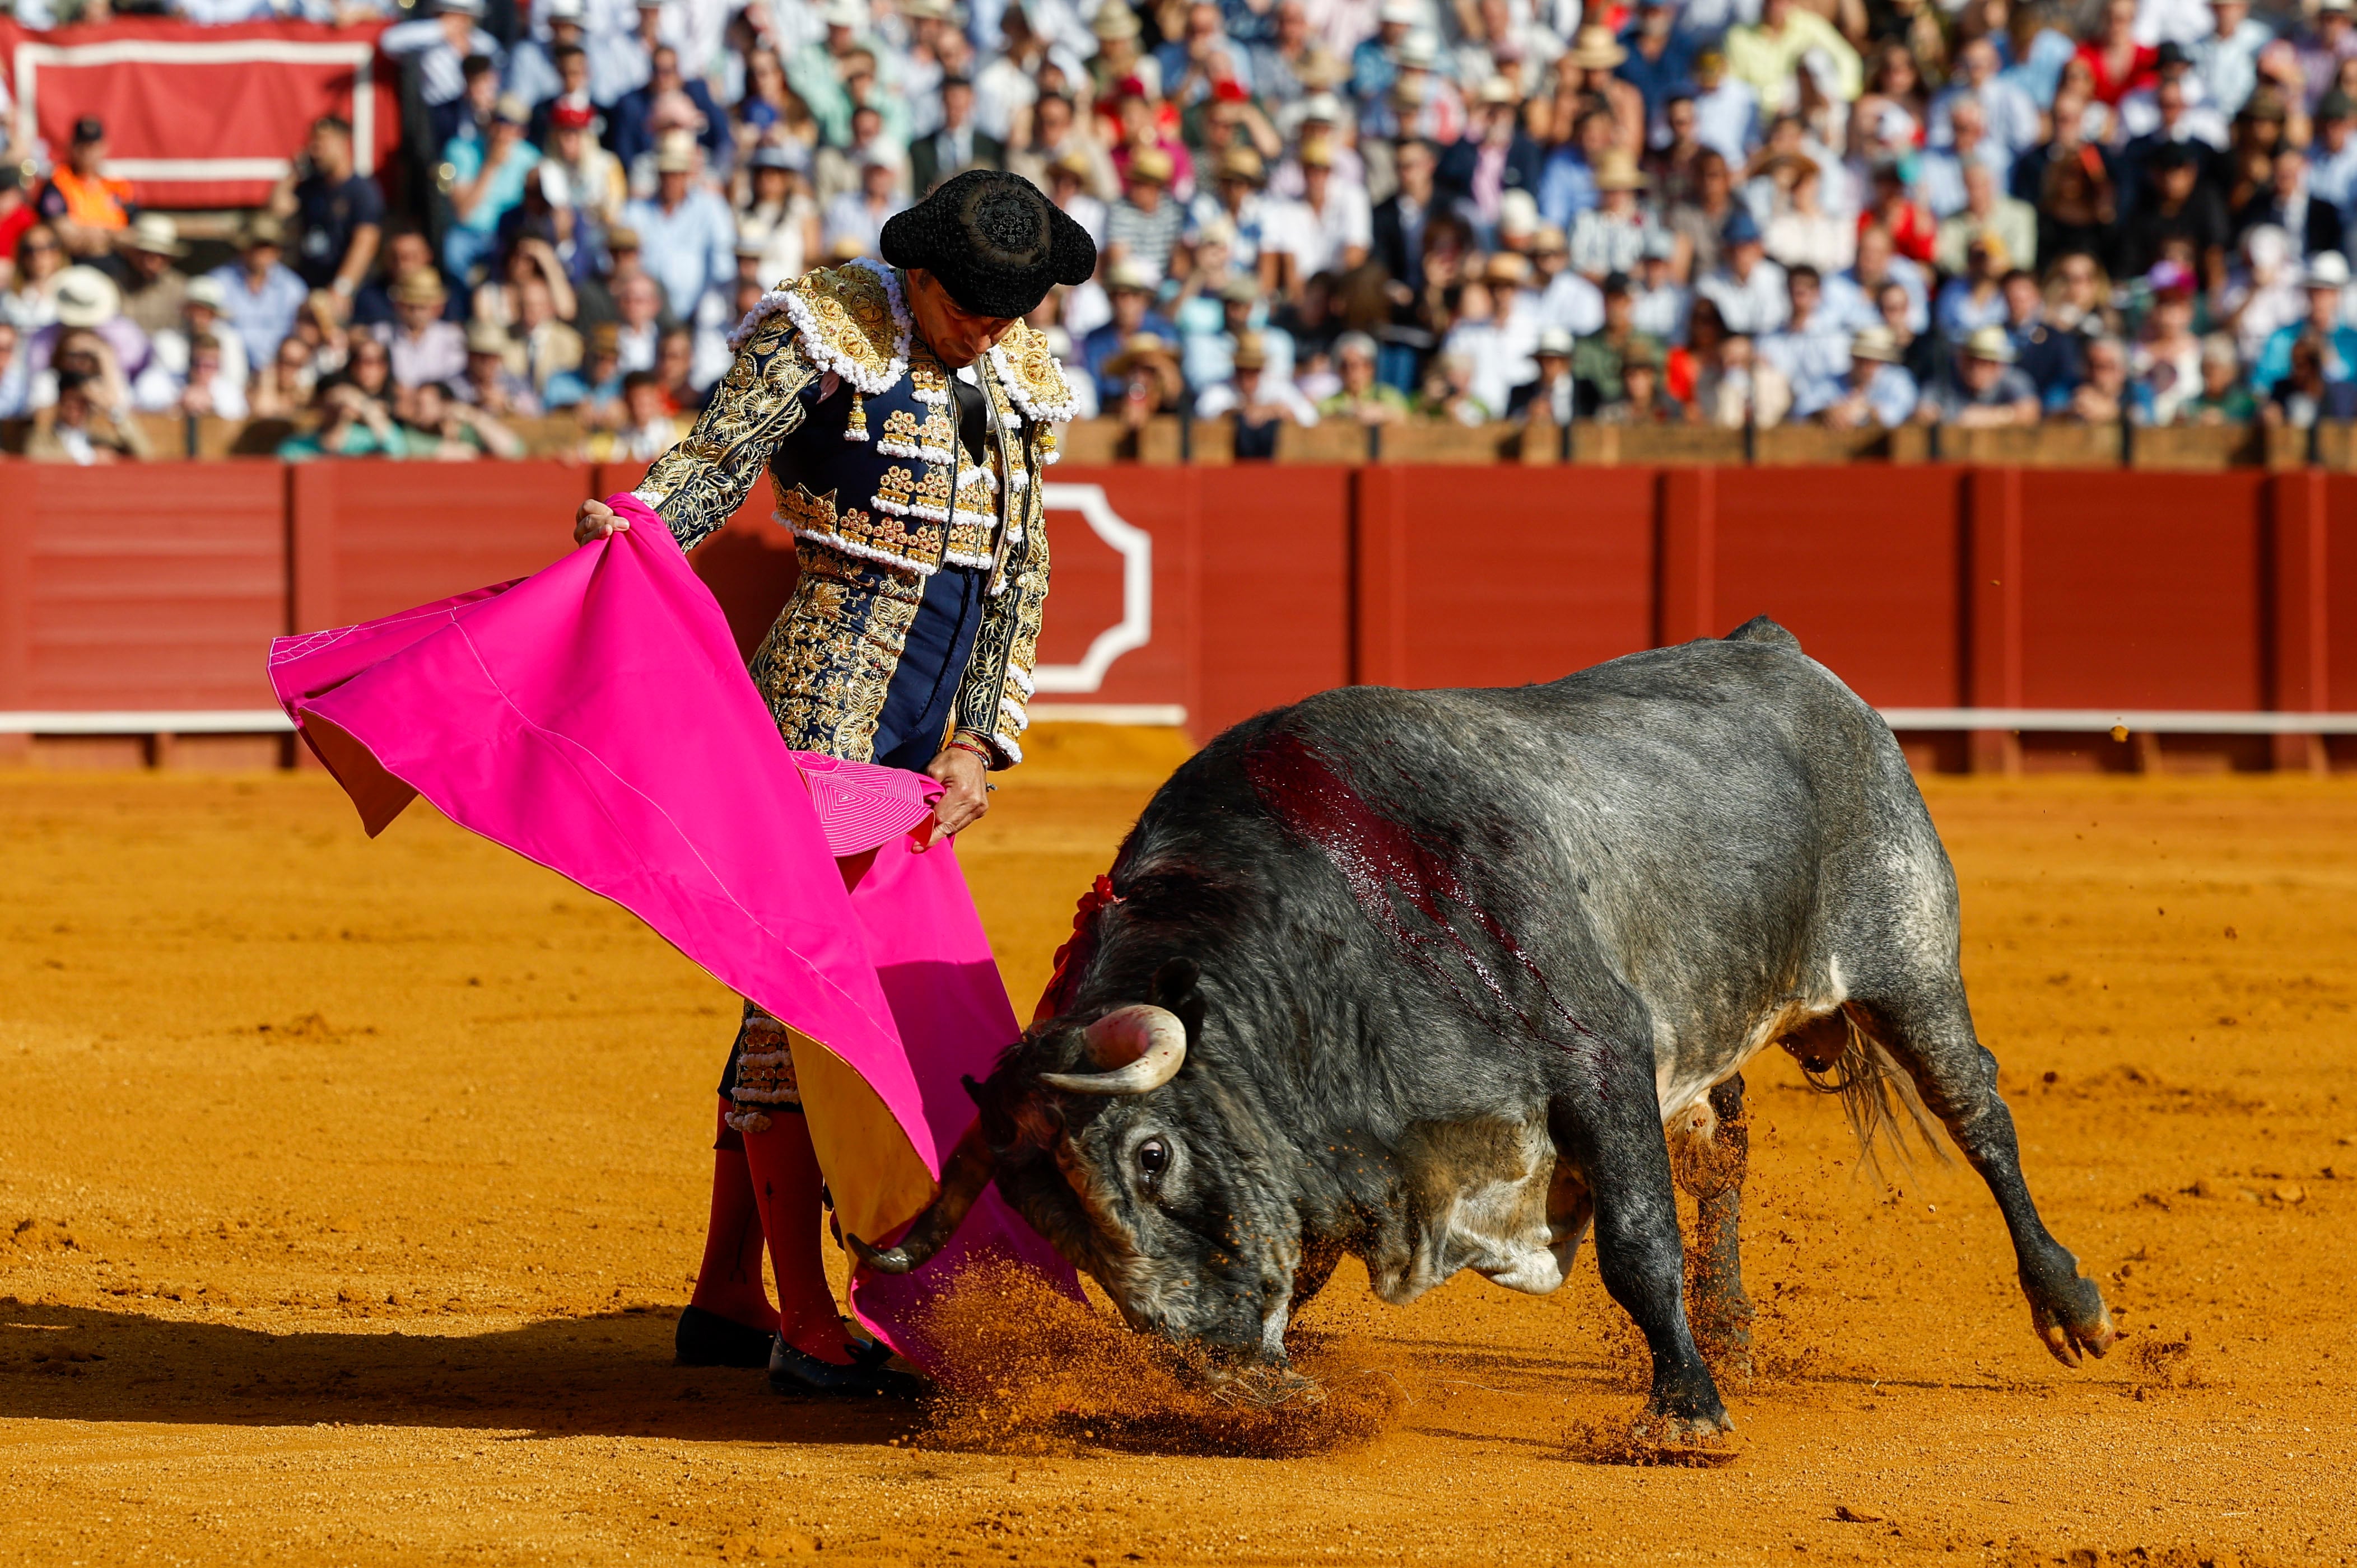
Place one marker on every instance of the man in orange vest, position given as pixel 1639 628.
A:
pixel 87 209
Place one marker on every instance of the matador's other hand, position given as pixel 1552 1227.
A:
pixel 966 795
pixel 595 520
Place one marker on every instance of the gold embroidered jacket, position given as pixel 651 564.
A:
pixel 833 391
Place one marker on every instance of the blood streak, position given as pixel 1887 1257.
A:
pixel 1391 871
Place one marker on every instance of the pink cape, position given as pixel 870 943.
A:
pixel 595 718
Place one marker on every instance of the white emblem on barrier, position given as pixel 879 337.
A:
pixel 1135 628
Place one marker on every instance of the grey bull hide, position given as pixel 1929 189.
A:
pixel 1424 976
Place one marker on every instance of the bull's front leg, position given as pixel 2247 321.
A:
pixel 1609 1129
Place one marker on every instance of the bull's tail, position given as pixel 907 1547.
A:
pixel 1873 1090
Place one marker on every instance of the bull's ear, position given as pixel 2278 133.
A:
pixel 1175 988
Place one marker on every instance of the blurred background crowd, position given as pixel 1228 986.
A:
pixel 1850 212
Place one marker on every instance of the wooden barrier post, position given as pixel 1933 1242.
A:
pixel 16 528
pixel 1685 597
pixel 1378 579
pixel 1993 597
pixel 2299 588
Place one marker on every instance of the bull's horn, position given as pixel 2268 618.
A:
pixel 963 1175
pixel 1147 1043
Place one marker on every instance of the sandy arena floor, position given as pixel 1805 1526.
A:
pixel 348 1192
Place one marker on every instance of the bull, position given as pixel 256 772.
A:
pixel 1443 979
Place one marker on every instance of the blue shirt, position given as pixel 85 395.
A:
pixel 1567 187
pixel 2275 359
pixel 1814 359
pixel 465 156
pixel 689 250
pixel 1891 393
pixel 261 318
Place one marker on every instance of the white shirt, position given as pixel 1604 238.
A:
pixel 1573 303
pixel 1318 239
pixel 1749 306
pixel 1223 399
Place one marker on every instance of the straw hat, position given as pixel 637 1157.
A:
pixel 1144 351
pixel 1595 49
pixel 486 338
pixel 155 235
pixel 86 296
pixel 1879 344
pixel 1617 170
pixel 420 286
pixel 1114 19
pixel 1252 354
pixel 1243 163
pixel 1989 343
pixel 1150 163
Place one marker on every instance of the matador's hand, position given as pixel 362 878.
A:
pixel 595 520
pixel 967 795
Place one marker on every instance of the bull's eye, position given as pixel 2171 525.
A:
pixel 1153 1157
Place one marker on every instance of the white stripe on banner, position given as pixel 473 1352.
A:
pixel 361 58
pixel 198 169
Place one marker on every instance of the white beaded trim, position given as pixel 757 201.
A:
pixel 1005 743
pixel 651 497
pixel 824 355
pixel 1021 680
pixel 1021 720
pixel 902 449
pixel 931 398
pixel 1048 413
pixel 959 558
pixel 836 541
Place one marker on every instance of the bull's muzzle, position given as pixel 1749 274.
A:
pixel 1136 1049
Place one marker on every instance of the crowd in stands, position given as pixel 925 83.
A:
pixel 1857 213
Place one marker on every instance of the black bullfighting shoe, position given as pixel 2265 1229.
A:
pixel 708 1339
pixel 794 1371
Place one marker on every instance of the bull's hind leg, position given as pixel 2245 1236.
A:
pixel 1710 1153
pixel 1930 1033
pixel 1613 1140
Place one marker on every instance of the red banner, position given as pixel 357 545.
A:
pixel 203 116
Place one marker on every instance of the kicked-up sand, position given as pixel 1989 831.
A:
pixel 349 1191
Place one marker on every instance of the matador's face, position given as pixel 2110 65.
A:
pixel 955 335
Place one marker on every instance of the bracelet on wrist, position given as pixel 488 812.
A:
pixel 960 743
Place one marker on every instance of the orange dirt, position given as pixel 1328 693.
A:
pixel 348 1192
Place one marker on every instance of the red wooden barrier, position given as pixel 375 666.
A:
pixel 1497 576
pixel 154 587
pixel 1223 591
pixel 370 540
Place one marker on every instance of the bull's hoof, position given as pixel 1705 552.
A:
pixel 2071 1319
pixel 1662 1437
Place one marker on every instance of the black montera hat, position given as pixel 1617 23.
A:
pixel 994 241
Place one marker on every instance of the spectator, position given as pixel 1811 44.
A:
pixel 17 214
pixel 855 219
pixel 1941 181
pixel 1809 351
pixel 1255 400
pixel 487 182
pixel 2325 46
pixel 1747 288
pixel 338 217
pixel 1726 111
pixel 358 407
pixel 1147 372
pixel 1493 158
pixel 1643 400
pixel 2326 279
pixel 2307 395
pixel 421 346
pixel 1662 302
pixel 156 288
pixel 2167 359
pixel 437 425
pixel 1610 236
pixel 1853 297
pixel 1802 233
pixel 675 372
pixel 2224 398
pixel 780 218
pixel 2265 293
pixel 687 231
pixel 2047 355
pixel 669 102
pixel 1568 179
pixel 1130 289
pixel 1361 397
pixel 1566 300
pixel 648 428
pixel 284 390
pixel 1597 359
pixel 2288 201
pixel 2174 104
pixel 1985 389
pixel 204 313
pixel 79 428
pixel 438 48
pixel 1877 391
pixel 1975 298
pixel 1554 390
pixel 1732 388
pixel 594 392
pixel 1330 229
pixel 2009 116
pixel 1698 222
pixel 1397 222
pixel 2116 63
pixel 957 146
pixel 85 208
pixel 208 392
pixel 263 295
pixel 490 385
pixel 1987 210
pixel 405 251
pixel 1766 55
pixel 1658 62
pixel 1449 396
pixel 1144 224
